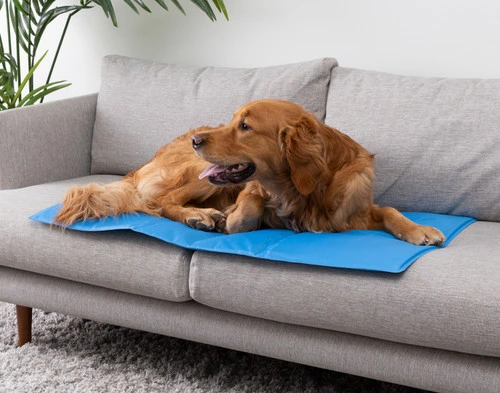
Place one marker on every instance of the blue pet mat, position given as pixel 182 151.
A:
pixel 365 250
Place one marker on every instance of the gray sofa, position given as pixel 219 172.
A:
pixel 437 145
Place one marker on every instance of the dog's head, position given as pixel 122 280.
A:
pixel 270 141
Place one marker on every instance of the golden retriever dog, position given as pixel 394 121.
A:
pixel 274 165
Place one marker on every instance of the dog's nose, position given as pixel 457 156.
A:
pixel 197 140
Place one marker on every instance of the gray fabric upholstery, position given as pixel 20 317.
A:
pixel 437 141
pixel 426 368
pixel 448 299
pixel 46 142
pixel 120 260
pixel 143 105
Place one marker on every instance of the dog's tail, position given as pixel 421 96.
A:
pixel 101 200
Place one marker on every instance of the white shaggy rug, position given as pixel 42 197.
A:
pixel 75 355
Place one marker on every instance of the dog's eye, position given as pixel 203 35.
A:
pixel 245 127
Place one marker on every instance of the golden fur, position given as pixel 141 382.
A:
pixel 275 165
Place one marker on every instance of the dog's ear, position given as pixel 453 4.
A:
pixel 302 147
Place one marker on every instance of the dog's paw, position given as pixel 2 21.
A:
pixel 424 236
pixel 246 215
pixel 238 224
pixel 206 220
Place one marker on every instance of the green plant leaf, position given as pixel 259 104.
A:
pixel 132 5
pixel 36 6
pixel 221 7
pixel 108 9
pixel 9 59
pixel 46 6
pixel 27 77
pixel 176 3
pixel 20 6
pixel 28 20
pixel 14 20
pixel 205 7
pixel 4 105
pixel 42 91
pixel 23 29
pixel 143 5
pixel 48 16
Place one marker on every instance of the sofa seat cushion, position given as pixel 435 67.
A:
pixel 448 299
pixel 436 140
pixel 120 260
pixel 142 105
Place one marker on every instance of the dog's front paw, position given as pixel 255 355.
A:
pixel 206 220
pixel 245 215
pixel 424 236
pixel 237 224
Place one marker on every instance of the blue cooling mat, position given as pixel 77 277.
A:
pixel 365 250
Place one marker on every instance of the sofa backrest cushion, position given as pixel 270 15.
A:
pixel 143 105
pixel 437 141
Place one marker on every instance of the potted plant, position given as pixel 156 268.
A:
pixel 25 24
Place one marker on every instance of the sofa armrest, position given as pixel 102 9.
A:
pixel 46 142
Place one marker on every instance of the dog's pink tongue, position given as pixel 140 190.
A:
pixel 212 170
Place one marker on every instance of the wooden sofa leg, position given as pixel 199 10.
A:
pixel 24 317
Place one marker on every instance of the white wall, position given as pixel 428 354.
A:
pixel 454 38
